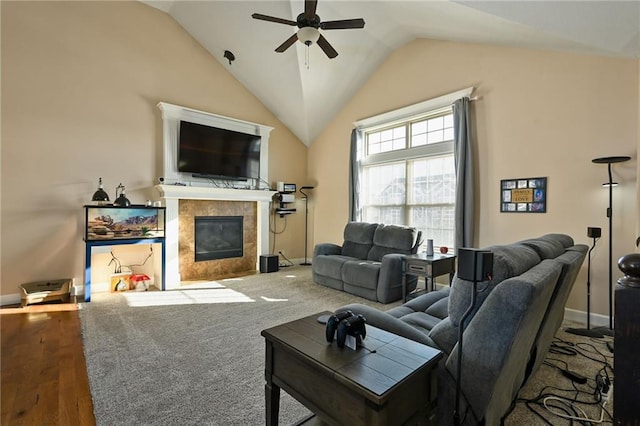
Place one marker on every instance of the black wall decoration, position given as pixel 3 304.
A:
pixel 523 195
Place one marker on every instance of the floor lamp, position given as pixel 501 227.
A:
pixel 306 222
pixel 594 233
pixel 609 161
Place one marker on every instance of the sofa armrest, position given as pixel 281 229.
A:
pixel 325 249
pixel 386 322
pixel 390 278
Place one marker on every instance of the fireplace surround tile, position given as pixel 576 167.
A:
pixel 215 269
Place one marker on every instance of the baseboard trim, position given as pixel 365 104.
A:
pixel 597 320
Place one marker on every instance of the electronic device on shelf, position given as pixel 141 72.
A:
pixel 286 195
pixel 286 188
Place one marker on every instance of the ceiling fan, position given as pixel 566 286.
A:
pixel 309 25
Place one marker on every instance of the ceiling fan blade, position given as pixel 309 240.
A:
pixel 344 24
pixel 326 47
pixel 287 44
pixel 273 19
pixel 310 8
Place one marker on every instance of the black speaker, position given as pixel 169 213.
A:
pixel 594 232
pixel 483 261
pixel 269 263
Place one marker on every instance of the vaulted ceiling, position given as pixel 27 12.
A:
pixel 304 88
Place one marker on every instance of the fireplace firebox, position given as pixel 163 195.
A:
pixel 218 237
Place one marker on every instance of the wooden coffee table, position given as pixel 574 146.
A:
pixel 393 385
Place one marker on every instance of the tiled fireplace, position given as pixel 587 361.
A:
pixel 184 203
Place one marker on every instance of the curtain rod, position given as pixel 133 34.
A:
pixel 471 99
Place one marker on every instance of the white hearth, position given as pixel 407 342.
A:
pixel 171 196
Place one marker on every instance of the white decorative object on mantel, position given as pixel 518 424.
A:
pixel 171 116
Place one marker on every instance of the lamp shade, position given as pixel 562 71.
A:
pixel 121 200
pixel 100 196
pixel 308 35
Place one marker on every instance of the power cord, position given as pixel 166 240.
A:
pixel 583 417
pixel 571 404
pixel 118 265
pixel 566 371
pixel 602 395
pixel 285 258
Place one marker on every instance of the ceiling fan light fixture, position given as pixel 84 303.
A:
pixel 308 35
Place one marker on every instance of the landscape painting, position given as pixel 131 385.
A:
pixel 109 223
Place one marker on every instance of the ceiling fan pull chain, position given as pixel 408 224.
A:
pixel 306 56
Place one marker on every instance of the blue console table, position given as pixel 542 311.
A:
pixel 113 225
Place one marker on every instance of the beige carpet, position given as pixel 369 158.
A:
pixel 196 357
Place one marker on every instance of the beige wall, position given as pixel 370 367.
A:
pixel 80 85
pixel 539 114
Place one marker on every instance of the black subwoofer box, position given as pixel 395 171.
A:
pixel 269 263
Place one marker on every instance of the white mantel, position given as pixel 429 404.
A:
pixel 171 196
pixel 213 193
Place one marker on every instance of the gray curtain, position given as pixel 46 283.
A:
pixel 354 176
pixel 463 154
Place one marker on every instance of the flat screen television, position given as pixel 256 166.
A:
pixel 206 151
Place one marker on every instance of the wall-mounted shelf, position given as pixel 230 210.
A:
pixel 284 198
pixel 285 211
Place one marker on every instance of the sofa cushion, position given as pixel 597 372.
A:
pixel 444 335
pixel 508 261
pixel 421 321
pixel 330 266
pixel 563 239
pixel 392 239
pixel 439 309
pixel 545 248
pixel 361 273
pixel 358 239
pixel 421 303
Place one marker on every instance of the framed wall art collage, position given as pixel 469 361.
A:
pixel 523 195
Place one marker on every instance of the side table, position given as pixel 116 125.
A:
pixel 428 267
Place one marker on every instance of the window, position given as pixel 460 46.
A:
pixel 408 177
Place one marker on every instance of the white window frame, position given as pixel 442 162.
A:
pixel 401 116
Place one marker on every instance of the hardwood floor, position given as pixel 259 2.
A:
pixel 44 377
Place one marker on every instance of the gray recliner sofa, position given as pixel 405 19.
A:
pixel 369 262
pixel 507 335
